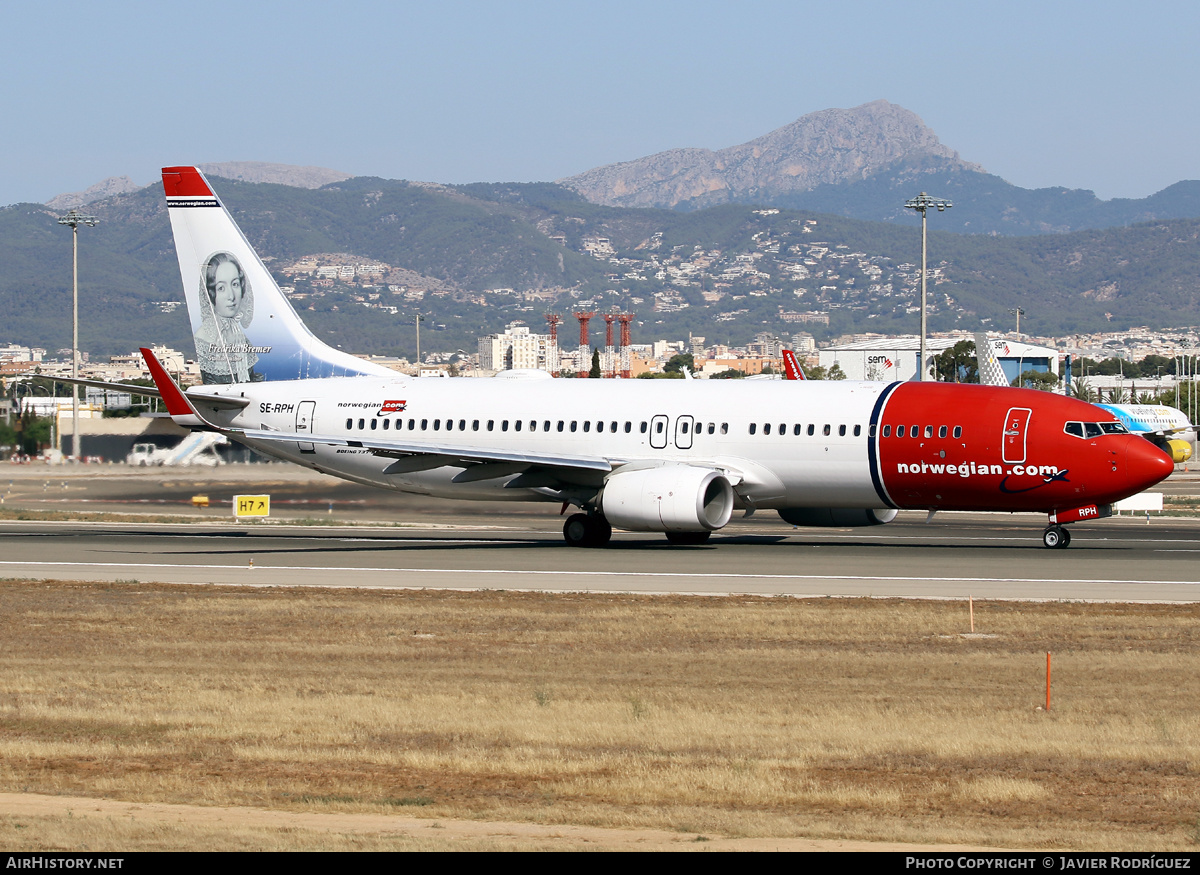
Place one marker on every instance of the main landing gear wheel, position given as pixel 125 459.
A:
pixel 688 538
pixel 1056 537
pixel 582 530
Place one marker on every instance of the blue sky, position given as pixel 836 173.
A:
pixel 1098 95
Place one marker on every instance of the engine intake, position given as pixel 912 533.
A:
pixel 670 498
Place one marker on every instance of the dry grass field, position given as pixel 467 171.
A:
pixel 861 719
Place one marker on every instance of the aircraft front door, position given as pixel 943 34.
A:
pixel 658 432
pixel 305 413
pixel 1016 427
pixel 683 432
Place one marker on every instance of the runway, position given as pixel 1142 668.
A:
pixel 979 556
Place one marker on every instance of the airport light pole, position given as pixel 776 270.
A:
pixel 419 320
pixel 74 218
pixel 921 203
pixel 1019 312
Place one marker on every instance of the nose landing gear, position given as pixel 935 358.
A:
pixel 1056 537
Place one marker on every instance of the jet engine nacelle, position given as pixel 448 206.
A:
pixel 1179 451
pixel 670 498
pixel 840 517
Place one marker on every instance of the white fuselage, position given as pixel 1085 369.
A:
pixel 747 427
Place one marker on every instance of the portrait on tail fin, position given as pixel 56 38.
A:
pixel 227 309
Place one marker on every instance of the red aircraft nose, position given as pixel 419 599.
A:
pixel 1145 464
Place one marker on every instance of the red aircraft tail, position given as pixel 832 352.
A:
pixel 791 366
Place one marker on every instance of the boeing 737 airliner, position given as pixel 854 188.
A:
pixel 676 457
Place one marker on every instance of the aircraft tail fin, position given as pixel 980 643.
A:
pixel 244 327
pixel 791 366
pixel 990 372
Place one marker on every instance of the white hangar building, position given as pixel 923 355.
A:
pixel 887 359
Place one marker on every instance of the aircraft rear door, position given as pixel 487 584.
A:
pixel 658 432
pixel 1016 427
pixel 683 432
pixel 305 412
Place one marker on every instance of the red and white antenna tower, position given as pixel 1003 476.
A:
pixel 585 351
pixel 610 358
pixel 625 319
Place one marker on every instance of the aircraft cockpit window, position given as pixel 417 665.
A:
pixel 1113 428
pixel 1074 428
pixel 1092 429
pixel 941 431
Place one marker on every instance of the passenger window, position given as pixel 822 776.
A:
pixel 827 430
pixel 915 431
pixel 753 428
pixel 841 431
pixel 362 423
pixel 475 425
pixel 724 428
pixel 412 423
pixel 812 429
pixel 573 424
pixel 387 424
pixel 599 426
pixel 587 425
pixel 683 427
pixel 517 425
pixel 491 424
pixel 349 424
pixel 462 425
pixel 766 428
pixel 533 425
pixel 613 428
pixel 643 428
pixel 504 425
pixel 437 425
pixel 712 427
pixel 783 428
pixel 628 426
pixel 899 431
pixel 797 428
pixel 424 424
pixel 942 431
pixel 929 431
pixel 858 430
pixel 546 426
pixel 560 425
pixel 887 431
pixel 958 431
pixel 449 425
pixel 658 427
